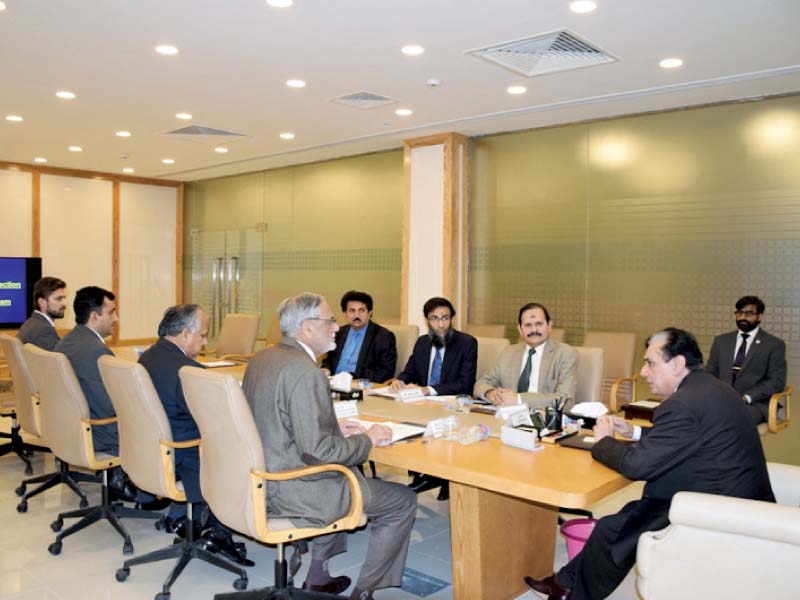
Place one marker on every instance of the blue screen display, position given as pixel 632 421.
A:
pixel 14 290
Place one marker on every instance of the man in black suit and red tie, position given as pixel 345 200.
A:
pixel 750 359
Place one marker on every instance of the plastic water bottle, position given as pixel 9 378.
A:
pixel 470 435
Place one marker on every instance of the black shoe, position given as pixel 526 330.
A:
pixel 548 586
pixel 155 504
pixel 219 543
pixel 444 492
pixel 425 483
pixel 335 586
pixel 115 495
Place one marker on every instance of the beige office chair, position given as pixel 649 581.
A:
pixel 489 350
pixel 405 337
pixel 233 478
pixel 487 330
pixel 780 412
pixel 590 375
pixel 558 334
pixel 237 337
pixel 147 452
pixel 68 429
pixel 619 351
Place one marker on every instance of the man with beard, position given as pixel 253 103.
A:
pixel 535 371
pixel 50 300
pixel 750 359
pixel 363 348
pixel 292 409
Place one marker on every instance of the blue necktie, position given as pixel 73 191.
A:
pixel 436 369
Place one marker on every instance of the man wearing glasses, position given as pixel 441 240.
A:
pixel 750 359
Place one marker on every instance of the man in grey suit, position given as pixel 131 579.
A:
pixel 291 403
pixel 750 359
pixel 536 371
pixel 50 300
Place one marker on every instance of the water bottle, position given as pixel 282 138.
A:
pixel 470 435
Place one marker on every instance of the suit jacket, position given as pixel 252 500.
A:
pixel 376 358
pixel 558 374
pixel 458 367
pixel 83 348
pixel 162 361
pixel 702 440
pixel 763 371
pixel 38 331
pixel 291 403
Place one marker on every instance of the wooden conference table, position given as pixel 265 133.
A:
pixel 503 501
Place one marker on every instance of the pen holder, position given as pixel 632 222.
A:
pixel 553 418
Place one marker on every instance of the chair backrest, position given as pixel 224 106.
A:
pixel 619 352
pixel 557 334
pixel 405 337
pixel 486 330
pixel 24 388
pixel 62 405
pixel 590 375
pixel 230 449
pixel 489 350
pixel 142 424
pixel 238 334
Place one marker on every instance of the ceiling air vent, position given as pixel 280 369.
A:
pixel 364 100
pixel 204 135
pixel 545 53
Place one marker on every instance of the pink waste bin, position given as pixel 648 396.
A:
pixel 576 532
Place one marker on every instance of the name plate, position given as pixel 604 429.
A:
pixel 520 438
pixel 410 395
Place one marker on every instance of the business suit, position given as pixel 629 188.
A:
pixel 762 373
pixel 459 364
pixel 293 412
pixel 38 331
pixel 702 440
pixel 377 356
pixel 83 347
pixel 558 374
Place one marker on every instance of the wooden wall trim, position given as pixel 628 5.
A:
pixel 179 245
pixel 405 233
pixel 36 215
pixel 87 174
pixel 115 242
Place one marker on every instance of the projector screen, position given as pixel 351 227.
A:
pixel 17 277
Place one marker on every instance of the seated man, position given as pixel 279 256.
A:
pixel 536 371
pixel 750 359
pixel 182 333
pixel 444 360
pixel 292 408
pixel 702 440
pixel 50 300
pixel 363 348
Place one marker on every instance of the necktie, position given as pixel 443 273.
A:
pixel 740 354
pixel 436 369
pixel 525 376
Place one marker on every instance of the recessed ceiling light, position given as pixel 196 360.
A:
pixel 671 63
pixel 75 149
pixel 40 159
pixel 582 7
pixel 2 5
pixel 128 170
pixel 167 161
pixel 296 83
pixel 280 3
pixel 287 136
pixel 412 50
pixel 516 89
pixel 65 95
pixel 14 118
pixel 221 150
pixel 184 116
pixel 167 50
pixel 123 134
pixel 403 112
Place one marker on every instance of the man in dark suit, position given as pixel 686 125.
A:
pixel 363 348
pixel 750 359
pixel 292 408
pixel 444 361
pixel 702 440
pixel 50 300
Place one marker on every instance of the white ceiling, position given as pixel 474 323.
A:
pixel 236 55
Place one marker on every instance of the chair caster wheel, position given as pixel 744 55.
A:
pixel 122 574
pixel 54 548
pixel 162 596
pixel 22 507
pixel 28 471
pixel 57 525
pixel 83 503
pixel 127 548
pixel 159 525
pixel 240 584
pixel 20 491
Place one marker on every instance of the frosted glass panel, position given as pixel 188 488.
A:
pixel 15 208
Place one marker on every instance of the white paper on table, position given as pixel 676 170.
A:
pixel 592 410
pixel 645 404
pixel 384 391
pixel 213 364
pixel 400 431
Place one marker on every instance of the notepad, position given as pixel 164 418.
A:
pixel 213 364
pixel 400 431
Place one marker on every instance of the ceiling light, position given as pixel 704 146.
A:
pixel 287 136
pixel 582 7
pixel 184 116
pixel 516 89
pixel 128 170
pixel 412 50
pixel 296 83
pixel 2 5
pixel 403 112
pixel 65 95
pixel 123 134
pixel 14 118
pixel 75 149
pixel 670 63
pixel 280 3
pixel 167 50
pixel 221 150
pixel 167 161
pixel 40 159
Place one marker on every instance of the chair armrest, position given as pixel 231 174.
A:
pixel 184 444
pixel 238 357
pixel 88 445
pixel 96 422
pixel 773 424
pixel 612 395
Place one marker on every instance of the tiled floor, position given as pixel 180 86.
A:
pixel 86 566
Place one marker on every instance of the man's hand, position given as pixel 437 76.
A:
pixel 397 385
pixel 502 396
pixel 380 435
pixel 608 425
pixel 351 428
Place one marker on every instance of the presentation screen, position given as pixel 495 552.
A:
pixel 17 277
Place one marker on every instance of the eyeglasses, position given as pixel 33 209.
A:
pixel 331 322
pixel 442 319
pixel 745 313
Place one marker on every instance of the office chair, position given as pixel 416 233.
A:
pixel 237 337
pixel 405 337
pixel 619 351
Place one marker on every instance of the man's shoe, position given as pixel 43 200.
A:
pixel 115 495
pixel 155 504
pixel 335 586
pixel 548 586
pixel 218 543
pixel 425 483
